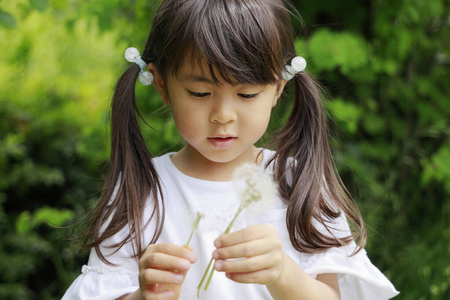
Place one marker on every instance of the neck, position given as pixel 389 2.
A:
pixel 193 164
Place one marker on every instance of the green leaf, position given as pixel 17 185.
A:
pixel 324 49
pixel 354 52
pixel 40 5
pixel 7 20
pixel 348 113
pixel 300 47
pixel 24 222
pixel 373 123
pixel 438 167
pixel 52 216
pixel 345 50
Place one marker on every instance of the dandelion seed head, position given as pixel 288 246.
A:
pixel 258 186
pixel 245 171
pixel 200 216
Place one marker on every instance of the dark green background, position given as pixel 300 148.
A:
pixel 384 63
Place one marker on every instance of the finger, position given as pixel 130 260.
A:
pixel 161 287
pixel 265 276
pixel 249 249
pixel 151 276
pixel 248 264
pixel 244 235
pixel 174 250
pixel 164 261
pixel 151 295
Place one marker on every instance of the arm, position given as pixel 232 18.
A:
pixel 261 260
pixel 294 283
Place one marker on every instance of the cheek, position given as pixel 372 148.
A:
pixel 257 122
pixel 187 122
pixel 263 113
pixel 181 121
pixel 264 122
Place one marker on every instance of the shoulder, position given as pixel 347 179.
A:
pixel 271 162
pixel 162 160
pixel 268 156
pixel 163 165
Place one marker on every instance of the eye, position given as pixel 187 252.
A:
pixel 248 96
pixel 198 95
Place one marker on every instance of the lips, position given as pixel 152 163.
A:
pixel 222 142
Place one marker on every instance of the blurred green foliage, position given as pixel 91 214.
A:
pixel 384 63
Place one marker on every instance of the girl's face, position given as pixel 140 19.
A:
pixel 220 122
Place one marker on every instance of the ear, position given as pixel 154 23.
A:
pixel 158 82
pixel 279 92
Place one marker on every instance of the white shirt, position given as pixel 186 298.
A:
pixel 184 196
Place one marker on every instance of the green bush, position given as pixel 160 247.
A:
pixel 386 66
pixel 53 143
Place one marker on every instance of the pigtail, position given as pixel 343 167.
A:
pixel 310 187
pixel 131 179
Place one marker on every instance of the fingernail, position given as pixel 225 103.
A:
pixel 192 258
pixel 185 265
pixel 178 278
pixel 215 255
pixel 218 265
pixel 217 243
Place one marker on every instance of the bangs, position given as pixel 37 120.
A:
pixel 238 39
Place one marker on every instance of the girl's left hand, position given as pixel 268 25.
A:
pixel 256 252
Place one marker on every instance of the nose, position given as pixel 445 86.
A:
pixel 223 112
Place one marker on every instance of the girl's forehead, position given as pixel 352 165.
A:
pixel 192 71
pixel 194 66
pixel 198 70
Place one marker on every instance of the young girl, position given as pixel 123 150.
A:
pixel 221 66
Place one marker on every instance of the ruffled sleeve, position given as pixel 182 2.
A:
pixel 358 278
pixel 101 281
pixel 102 284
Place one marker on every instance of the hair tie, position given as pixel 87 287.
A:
pixel 298 64
pixel 132 55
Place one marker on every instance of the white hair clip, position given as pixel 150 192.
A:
pixel 298 64
pixel 132 55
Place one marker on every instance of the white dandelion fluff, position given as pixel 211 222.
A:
pixel 258 187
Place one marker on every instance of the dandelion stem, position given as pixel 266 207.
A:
pixel 194 227
pixel 209 278
pixel 190 237
pixel 240 209
pixel 204 277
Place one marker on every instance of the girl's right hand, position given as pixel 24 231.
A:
pixel 163 265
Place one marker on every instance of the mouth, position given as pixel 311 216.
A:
pixel 222 142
